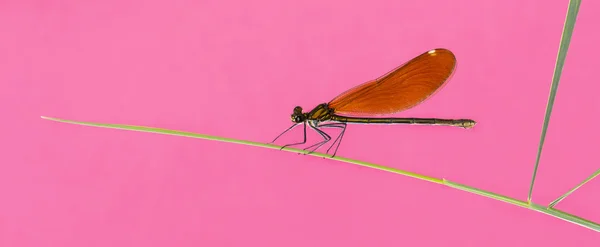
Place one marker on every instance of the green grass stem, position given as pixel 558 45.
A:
pixel 560 62
pixel 553 203
pixel 553 212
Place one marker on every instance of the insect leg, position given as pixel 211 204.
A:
pixel 319 144
pixel 340 137
pixel 293 144
pixel 290 128
pixel 335 125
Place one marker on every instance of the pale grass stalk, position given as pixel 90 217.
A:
pixel 553 212
pixel 565 40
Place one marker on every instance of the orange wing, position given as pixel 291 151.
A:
pixel 400 89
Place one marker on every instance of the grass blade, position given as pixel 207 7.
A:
pixel 560 62
pixel 249 143
pixel 556 213
pixel 553 203
pixel 535 207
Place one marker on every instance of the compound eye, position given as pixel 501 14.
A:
pixel 297 109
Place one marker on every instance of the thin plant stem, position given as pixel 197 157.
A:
pixel 560 61
pixel 529 205
pixel 249 143
pixel 553 212
pixel 553 203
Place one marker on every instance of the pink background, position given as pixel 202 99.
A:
pixel 236 69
